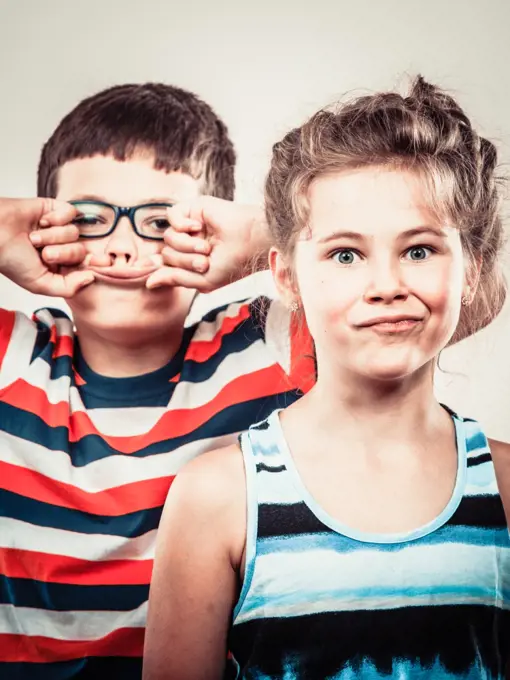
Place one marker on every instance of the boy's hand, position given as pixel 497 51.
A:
pixel 212 242
pixel 29 224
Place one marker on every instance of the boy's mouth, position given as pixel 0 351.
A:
pixel 125 276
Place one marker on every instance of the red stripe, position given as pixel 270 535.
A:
pixel 64 345
pixel 121 500
pixel 258 384
pixel 6 328
pixel 125 642
pixel 202 350
pixel 40 566
pixel 302 353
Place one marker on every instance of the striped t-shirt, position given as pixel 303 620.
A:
pixel 85 466
pixel 320 600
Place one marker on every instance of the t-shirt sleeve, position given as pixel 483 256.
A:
pixel 287 337
pixel 24 339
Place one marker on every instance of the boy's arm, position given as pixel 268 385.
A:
pixel 211 243
pixel 29 224
pixel 194 583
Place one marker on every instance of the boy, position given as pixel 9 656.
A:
pixel 95 424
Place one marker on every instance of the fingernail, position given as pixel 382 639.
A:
pixel 35 238
pixel 199 264
pixel 44 223
pixel 52 255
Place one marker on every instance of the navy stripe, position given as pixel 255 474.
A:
pixel 91 448
pixel 116 668
pixel 262 467
pixel 483 511
pixel 297 518
pixel 243 337
pixel 478 460
pixel 60 367
pixel 23 592
pixel 287 520
pixel 324 644
pixel 41 514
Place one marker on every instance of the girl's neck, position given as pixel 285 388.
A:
pixel 376 415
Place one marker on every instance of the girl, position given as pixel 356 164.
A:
pixel 359 533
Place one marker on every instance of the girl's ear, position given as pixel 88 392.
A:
pixel 283 278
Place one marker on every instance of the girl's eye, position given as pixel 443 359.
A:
pixel 418 253
pixel 345 256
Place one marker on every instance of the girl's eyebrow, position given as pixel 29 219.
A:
pixel 356 236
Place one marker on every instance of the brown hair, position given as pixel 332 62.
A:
pixel 425 132
pixel 181 130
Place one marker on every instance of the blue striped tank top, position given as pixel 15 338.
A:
pixel 320 600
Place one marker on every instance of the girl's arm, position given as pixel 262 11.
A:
pixel 195 582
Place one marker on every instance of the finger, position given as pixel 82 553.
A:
pixel 59 285
pixel 171 276
pixel 180 219
pixel 55 213
pixel 186 243
pixel 191 262
pixel 54 235
pixel 66 254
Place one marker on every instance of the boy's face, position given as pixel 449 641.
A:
pixel 118 302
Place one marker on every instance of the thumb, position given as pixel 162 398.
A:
pixel 179 216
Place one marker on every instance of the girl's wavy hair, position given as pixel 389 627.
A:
pixel 425 132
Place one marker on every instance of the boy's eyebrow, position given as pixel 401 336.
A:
pixel 355 236
pixel 102 199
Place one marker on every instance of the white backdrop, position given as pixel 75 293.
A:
pixel 264 66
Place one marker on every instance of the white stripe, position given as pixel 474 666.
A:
pixel 273 610
pixel 63 325
pixel 207 330
pixel 68 625
pixel 95 547
pixel 276 487
pixel 19 350
pixel 488 489
pixel 106 473
pixel 325 575
pixel 125 422
pixel 188 395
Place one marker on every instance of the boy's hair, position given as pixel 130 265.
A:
pixel 181 130
pixel 425 132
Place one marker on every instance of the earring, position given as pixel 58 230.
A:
pixel 294 306
pixel 466 299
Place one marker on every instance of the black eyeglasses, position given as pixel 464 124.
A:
pixel 96 219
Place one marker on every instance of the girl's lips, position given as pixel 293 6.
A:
pixel 400 326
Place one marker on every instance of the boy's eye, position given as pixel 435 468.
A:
pixel 160 223
pixel 87 220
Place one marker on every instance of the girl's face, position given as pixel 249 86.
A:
pixel 379 278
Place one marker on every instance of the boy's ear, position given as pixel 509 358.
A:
pixel 283 277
